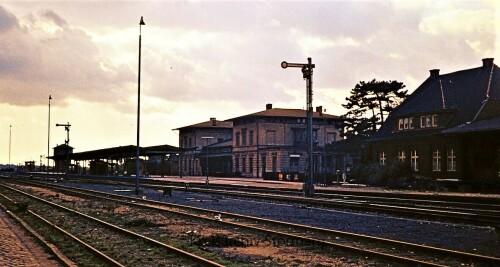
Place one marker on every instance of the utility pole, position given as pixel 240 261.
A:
pixel 48 139
pixel 10 141
pixel 307 73
pixel 137 173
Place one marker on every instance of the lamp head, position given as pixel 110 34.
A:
pixel 142 22
pixel 284 64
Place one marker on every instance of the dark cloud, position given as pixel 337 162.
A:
pixel 66 62
pixel 237 49
pixel 7 20
pixel 51 15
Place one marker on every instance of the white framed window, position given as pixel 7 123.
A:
pixel 414 160
pixel 401 155
pixel 436 160
pixel 434 120
pixel 382 158
pixel 428 121
pixel 405 123
pixel 452 160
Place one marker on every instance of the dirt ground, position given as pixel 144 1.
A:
pixel 18 248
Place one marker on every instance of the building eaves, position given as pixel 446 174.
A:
pixel 209 124
pixel 490 124
pixel 291 113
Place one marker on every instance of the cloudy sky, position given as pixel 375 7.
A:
pixel 203 59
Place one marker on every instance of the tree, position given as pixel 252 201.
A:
pixel 369 104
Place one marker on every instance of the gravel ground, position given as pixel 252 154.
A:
pixel 462 237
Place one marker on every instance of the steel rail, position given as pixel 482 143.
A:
pixel 95 251
pixel 477 217
pixel 396 243
pixel 178 251
pixel 406 199
pixel 467 217
pixel 53 250
pixel 380 204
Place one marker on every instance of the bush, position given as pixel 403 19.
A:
pixel 396 174
pixel 369 174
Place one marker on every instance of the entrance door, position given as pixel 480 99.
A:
pixel 264 165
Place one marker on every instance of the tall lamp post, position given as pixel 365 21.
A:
pixel 48 138
pixel 10 141
pixel 307 72
pixel 137 173
pixel 207 138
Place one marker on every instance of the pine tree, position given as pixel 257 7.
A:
pixel 369 104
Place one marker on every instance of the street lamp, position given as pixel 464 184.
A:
pixel 10 141
pixel 307 72
pixel 138 112
pixel 207 138
pixel 48 138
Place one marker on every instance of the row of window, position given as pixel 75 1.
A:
pixel 426 121
pixel 240 163
pixel 243 135
pixel 451 158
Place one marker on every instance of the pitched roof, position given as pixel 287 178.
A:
pixel 281 112
pixel 490 124
pixel 209 124
pixel 462 92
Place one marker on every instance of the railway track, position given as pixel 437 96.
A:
pixel 391 250
pixel 474 211
pixel 105 241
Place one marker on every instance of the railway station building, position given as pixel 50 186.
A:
pixel 209 141
pixel 272 143
pixel 448 128
pixel 269 144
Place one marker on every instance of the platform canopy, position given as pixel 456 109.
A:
pixel 121 152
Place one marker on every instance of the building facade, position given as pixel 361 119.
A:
pixel 448 128
pixel 193 142
pixel 272 143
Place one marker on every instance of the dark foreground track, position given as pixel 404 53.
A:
pixel 97 232
pixel 391 250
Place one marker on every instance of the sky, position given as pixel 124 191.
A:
pixel 202 59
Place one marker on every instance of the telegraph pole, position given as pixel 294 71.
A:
pixel 137 173
pixel 10 141
pixel 48 139
pixel 307 73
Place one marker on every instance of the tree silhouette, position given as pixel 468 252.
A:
pixel 369 104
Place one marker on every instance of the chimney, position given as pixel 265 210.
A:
pixel 269 106
pixel 319 109
pixel 434 73
pixel 487 62
pixel 214 121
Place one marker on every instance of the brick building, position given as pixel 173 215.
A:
pixel 272 143
pixel 193 142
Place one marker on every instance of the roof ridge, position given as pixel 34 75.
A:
pixel 489 81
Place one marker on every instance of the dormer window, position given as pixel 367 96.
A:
pixel 405 123
pixel 429 121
